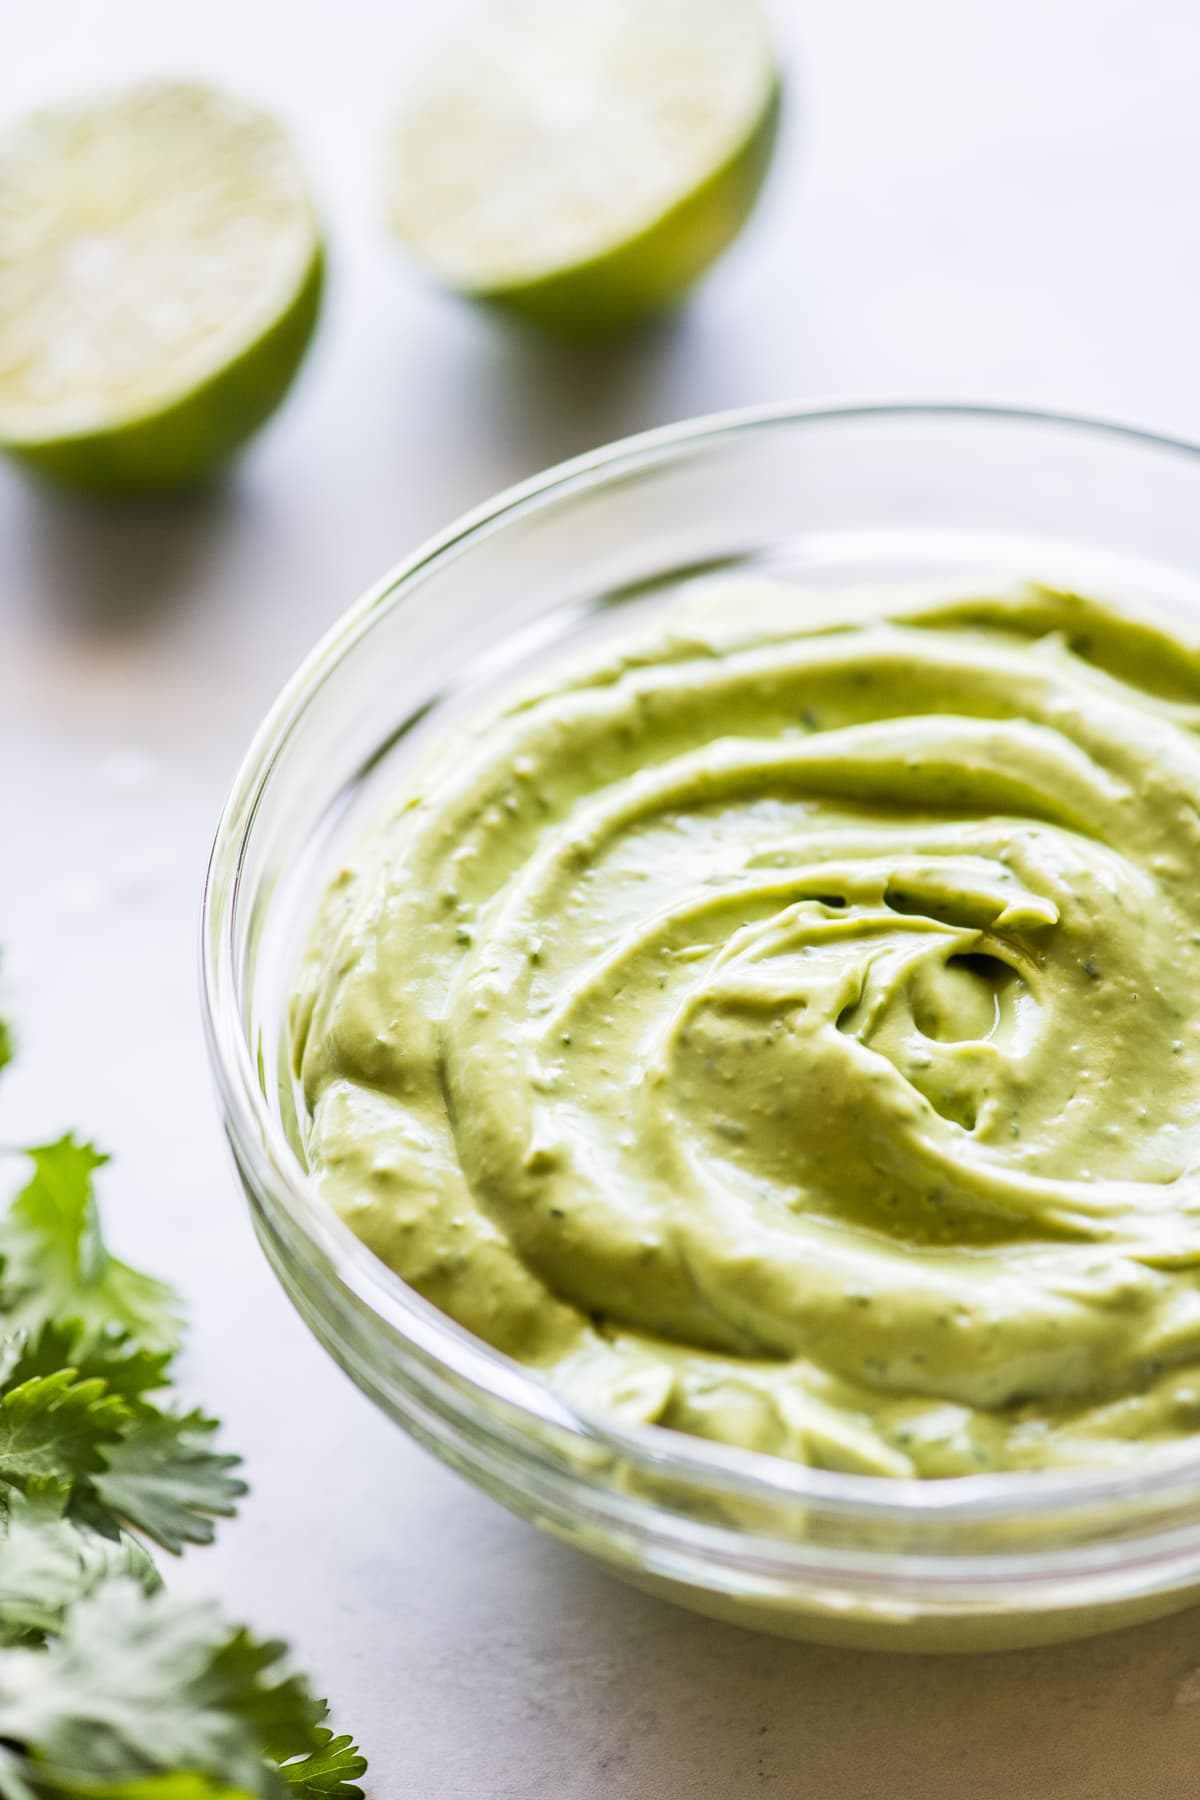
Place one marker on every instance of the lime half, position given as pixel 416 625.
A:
pixel 582 161
pixel 160 275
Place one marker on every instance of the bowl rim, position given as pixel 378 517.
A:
pixel 486 1374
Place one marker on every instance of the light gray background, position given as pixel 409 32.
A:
pixel 970 199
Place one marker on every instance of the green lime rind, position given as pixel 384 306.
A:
pixel 195 435
pixel 161 271
pixel 656 270
pixel 582 166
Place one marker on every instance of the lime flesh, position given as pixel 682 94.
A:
pixel 160 278
pixel 582 164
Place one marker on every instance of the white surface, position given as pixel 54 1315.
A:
pixel 970 199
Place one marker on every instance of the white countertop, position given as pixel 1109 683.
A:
pixel 970 199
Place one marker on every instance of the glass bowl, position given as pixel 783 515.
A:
pixel 835 497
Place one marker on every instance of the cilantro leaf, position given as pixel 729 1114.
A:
pixel 141 1685
pixel 328 1773
pixel 47 1561
pixel 6 1043
pixel 109 1689
pixel 52 1428
pixel 93 1433
pixel 163 1478
pixel 284 1715
pixel 131 1373
pixel 58 1268
pixel 181 1784
pixel 14 1776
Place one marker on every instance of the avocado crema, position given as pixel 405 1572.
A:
pixel 785 1027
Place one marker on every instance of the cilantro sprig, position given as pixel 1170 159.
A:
pixel 48 1561
pixel 139 1686
pixel 110 1687
pixel 85 1360
pixel 58 1269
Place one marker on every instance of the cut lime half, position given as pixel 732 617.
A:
pixel 583 161
pixel 160 275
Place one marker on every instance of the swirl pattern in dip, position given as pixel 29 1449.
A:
pixel 787 1029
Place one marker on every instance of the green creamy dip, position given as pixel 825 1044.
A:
pixel 785 1027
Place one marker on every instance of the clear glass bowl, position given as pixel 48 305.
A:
pixel 834 496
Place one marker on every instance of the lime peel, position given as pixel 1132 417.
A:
pixel 160 279
pixel 583 164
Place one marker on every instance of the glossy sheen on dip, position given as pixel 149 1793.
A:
pixel 786 1028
